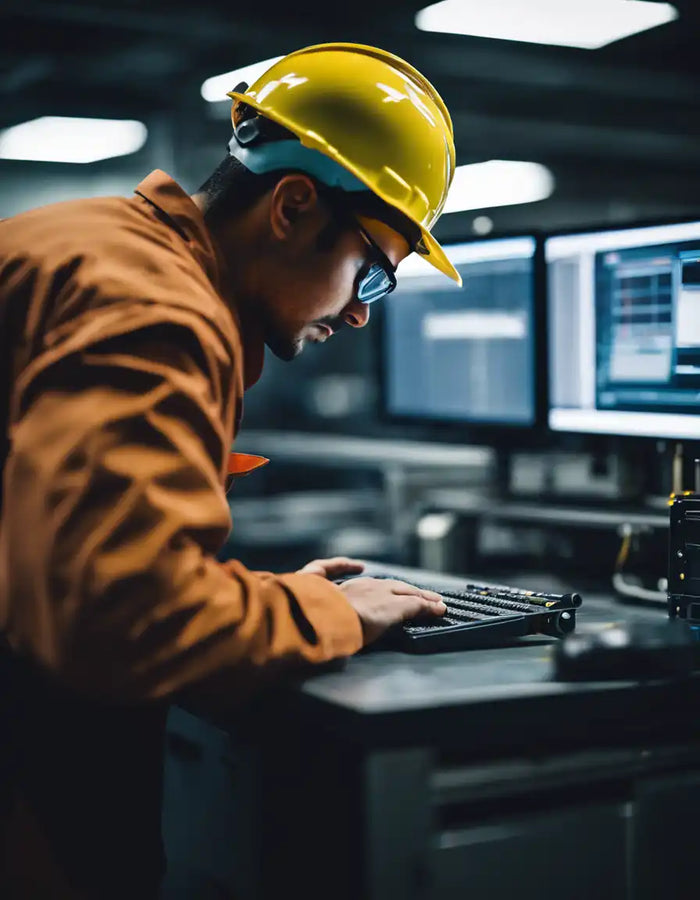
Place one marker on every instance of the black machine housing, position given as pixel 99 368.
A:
pixel 684 558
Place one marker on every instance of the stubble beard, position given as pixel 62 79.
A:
pixel 288 348
pixel 283 347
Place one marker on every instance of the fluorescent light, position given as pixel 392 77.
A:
pixel 617 421
pixel 65 139
pixel 498 182
pixel 595 241
pixel 215 88
pixel 476 325
pixel 588 24
pixel 415 266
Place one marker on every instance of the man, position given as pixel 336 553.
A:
pixel 130 329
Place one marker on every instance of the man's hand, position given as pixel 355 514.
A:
pixel 333 568
pixel 381 603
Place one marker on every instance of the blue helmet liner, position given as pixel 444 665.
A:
pixel 271 156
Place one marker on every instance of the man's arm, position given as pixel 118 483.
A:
pixel 113 511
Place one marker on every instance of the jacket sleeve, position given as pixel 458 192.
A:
pixel 114 508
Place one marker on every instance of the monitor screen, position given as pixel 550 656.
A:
pixel 464 355
pixel 624 331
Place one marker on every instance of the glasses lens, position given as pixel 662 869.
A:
pixel 375 284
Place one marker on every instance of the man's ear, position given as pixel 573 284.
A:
pixel 293 197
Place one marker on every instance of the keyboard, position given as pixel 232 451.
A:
pixel 483 615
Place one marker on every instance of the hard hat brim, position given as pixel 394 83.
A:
pixel 437 257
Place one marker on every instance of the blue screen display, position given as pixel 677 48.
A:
pixel 464 354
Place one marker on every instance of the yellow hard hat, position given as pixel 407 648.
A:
pixel 364 118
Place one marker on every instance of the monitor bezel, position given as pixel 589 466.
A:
pixel 597 440
pixel 509 435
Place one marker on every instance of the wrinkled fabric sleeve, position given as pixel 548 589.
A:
pixel 114 510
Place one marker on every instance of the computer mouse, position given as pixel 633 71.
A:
pixel 627 650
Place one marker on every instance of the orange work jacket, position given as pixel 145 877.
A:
pixel 123 363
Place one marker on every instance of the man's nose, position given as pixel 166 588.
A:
pixel 356 314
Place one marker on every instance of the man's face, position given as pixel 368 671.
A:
pixel 312 291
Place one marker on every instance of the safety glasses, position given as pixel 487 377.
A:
pixel 380 278
pixel 377 278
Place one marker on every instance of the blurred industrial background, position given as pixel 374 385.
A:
pixel 617 127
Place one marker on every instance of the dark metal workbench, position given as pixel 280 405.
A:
pixel 474 774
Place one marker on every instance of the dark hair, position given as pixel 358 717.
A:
pixel 231 188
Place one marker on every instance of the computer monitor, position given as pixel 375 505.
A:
pixel 465 355
pixel 624 331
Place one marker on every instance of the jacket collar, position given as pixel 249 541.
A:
pixel 178 210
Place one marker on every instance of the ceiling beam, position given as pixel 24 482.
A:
pixel 478 135
pixel 549 69
pixel 194 27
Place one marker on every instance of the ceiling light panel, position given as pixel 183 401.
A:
pixel 498 182
pixel 72 140
pixel 214 89
pixel 587 24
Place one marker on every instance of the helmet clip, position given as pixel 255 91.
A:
pixel 247 131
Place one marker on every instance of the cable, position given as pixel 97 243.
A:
pixel 627 588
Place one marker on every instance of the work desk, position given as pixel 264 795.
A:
pixel 391 696
pixel 470 775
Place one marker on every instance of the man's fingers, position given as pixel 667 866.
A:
pixel 312 569
pixel 345 564
pixel 436 608
pixel 332 568
pixel 420 606
pixel 401 588
pixel 382 603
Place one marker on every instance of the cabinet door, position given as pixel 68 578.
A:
pixel 206 814
pixel 665 838
pixel 576 853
